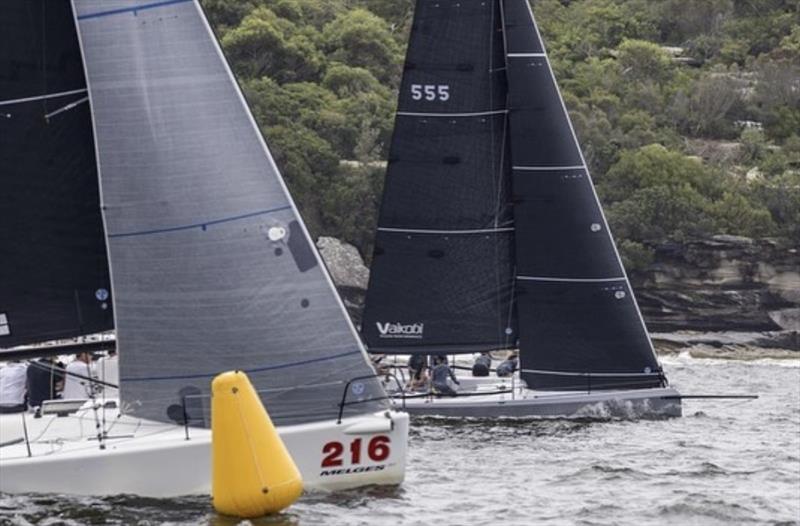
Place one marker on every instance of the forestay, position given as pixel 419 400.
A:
pixel 580 326
pixel 54 279
pixel 442 271
pixel 212 267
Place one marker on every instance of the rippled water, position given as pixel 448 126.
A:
pixel 723 463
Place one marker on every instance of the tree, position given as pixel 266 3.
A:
pixel 264 44
pixel 359 38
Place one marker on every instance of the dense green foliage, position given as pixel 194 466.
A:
pixel 688 110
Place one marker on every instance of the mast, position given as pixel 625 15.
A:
pixel 580 325
pixel 442 271
pixel 212 266
pixel 54 281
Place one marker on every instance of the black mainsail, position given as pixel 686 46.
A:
pixel 54 280
pixel 443 263
pixel 578 323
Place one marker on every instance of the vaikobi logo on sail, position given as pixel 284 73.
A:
pixel 398 330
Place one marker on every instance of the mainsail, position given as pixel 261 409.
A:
pixel 54 280
pixel 212 268
pixel 441 278
pixel 580 324
pixel 562 282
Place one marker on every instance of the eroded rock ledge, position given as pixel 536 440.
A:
pixel 723 292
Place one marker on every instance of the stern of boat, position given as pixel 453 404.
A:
pixel 358 451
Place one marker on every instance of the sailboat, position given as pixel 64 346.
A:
pixel 140 196
pixel 491 236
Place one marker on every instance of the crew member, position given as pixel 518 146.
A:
pixel 12 387
pixel 441 371
pixel 108 371
pixel 45 378
pixel 482 365
pixel 77 385
pixel 416 371
pixel 508 366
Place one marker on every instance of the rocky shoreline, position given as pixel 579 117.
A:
pixel 725 295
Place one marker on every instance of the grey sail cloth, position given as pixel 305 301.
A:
pixel 580 326
pixel 211 266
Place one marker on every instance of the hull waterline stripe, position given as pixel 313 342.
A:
pixel 424 231
pixel 134 9
pixel 546 168
pixel 253 370
pixel 473 114
pixel 570 373
pixel 571 280
pixel 199 225
pixel 519 55
pixel 42 97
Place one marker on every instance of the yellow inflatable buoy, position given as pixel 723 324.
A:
pixel 252 471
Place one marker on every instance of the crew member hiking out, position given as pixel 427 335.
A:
pixel 441 371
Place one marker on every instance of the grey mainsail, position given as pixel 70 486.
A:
pixel 211 265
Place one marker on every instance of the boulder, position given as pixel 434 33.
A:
pixel 348 272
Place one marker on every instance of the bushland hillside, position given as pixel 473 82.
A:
pixel 688 110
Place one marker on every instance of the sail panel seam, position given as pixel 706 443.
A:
pixel 469 114
pixel 571 280
pixel 199 225
pixel 42 97
pixel 253 370
pixel 547 168
pixel 427 231
pixel 143 7
pixel 522 55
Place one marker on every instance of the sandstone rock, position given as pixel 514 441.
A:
pixel 344 263
pixel 348 272
pixel 725 283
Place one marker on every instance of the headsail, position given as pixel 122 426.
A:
pixel 54 280
pixel 211 265
pixel 579 322
pixel 442 272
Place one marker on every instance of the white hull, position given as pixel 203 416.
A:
pixel 156 460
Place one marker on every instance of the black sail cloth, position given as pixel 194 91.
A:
pixel 54 279
pixel 580 327
pixel 490 233
pixel 442 272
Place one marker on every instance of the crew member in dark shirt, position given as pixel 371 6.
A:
pixel 508 366
pixel 439 375
pixel 482 365
pixel 45 377
pixel 416 369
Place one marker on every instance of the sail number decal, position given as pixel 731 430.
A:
pixel 378 450
pixel 430 92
